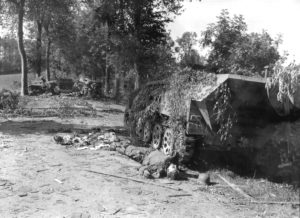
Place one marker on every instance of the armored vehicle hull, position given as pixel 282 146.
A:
pixel 257 122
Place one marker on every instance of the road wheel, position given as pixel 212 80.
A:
pixel 147 132
pixel 168 142
pixel 156 136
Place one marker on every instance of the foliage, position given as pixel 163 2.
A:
pixel 47 17
pixel 224 114
pixel 12 9
pixel 189 56
pixel 187 42
pixel 188 84
pixel 287 78
pixel 9 56
pixel 8 100
pixel 185 85
pixel 100 39
pixel 233 50
pixel 136 31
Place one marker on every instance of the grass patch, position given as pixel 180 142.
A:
pixel 261 190
pixel 51 106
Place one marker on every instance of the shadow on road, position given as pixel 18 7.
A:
pixel 48 127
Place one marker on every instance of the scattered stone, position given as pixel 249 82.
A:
pixel 35 197
pixel 59 202
pixel 63 139
pixel 48 191
pixel 76 188
pixel 3 183
pixel 56 165
pixel 23 194
pixel 81 215
pixel 204 178
pixel 117 211
pixel 82 148
pixel 111 137
pixel 44 185
pixel 41 170
pixel 24 189
pixel 58 181
pixel 96 140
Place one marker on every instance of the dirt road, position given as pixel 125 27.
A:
pixel 39 178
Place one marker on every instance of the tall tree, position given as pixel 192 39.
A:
pixel 105 15
pixel 187 41
pixel 46 14
pixel 9 55
pixel 18 7
pixel 149 20
pixel 36 13
pixel 233 50
pixel 189 56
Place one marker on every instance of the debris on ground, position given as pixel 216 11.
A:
pixel 5 142
pixel 88 88
pixel 155 164
pixel 81 215
pixel 134 180
pixel 204 179
pixel 93 141
pixel 41 86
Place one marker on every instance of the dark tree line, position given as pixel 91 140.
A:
pixel 99 38
pixel 126 40
pixel 9 56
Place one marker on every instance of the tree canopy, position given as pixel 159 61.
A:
pixel 233 50
pixel 126 40
pixel 189 56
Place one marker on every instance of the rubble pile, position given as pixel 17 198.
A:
pixel 155 164
pixel 93 141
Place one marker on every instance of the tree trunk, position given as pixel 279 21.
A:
pixel 106 82
pixel 117 86
pixel 137 78
pixel 48 59
pixel 22 52
pixel 122 8
pixel 137 24
pixel 121 87
pixel 39 49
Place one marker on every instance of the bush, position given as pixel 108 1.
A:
pixel 8 100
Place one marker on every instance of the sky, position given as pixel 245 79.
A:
pixel 274 16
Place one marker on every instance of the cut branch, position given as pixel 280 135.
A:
pixel 134 180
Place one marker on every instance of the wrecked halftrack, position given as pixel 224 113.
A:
pixel 231 112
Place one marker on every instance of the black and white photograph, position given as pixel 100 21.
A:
pixel 149 109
